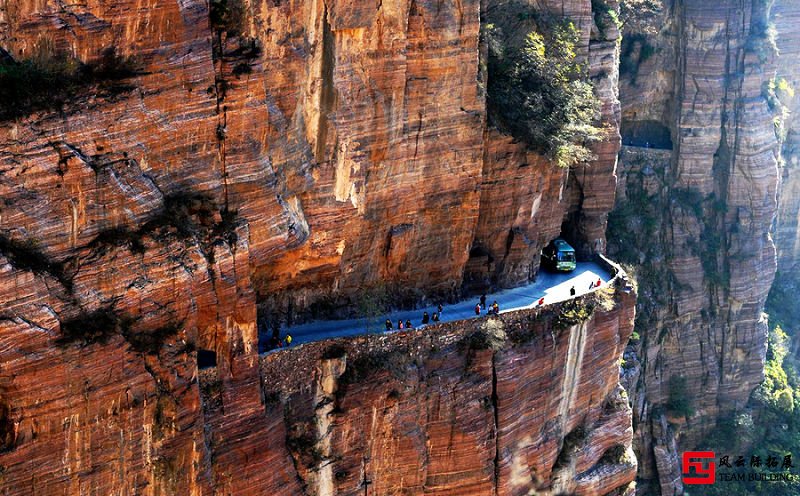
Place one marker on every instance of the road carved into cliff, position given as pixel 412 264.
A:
pixel 553 287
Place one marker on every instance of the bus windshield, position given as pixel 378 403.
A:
pixel 566 256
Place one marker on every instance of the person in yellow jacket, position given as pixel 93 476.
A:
pixel 288 340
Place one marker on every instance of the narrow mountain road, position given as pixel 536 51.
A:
pixel 553 287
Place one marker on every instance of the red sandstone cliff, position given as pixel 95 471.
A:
pixel 696 200
pixel 290 153
pixel 526 402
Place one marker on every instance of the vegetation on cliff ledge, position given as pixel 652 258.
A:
pixel 769 425
pixel 538 89
pixel 27 255
pixel 49 79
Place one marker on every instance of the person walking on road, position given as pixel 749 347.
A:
pixel 478 309
pixel 435 317
pixel 572 291
pixel 483 301
pixel 388 325
pixel 599 282
pixel 408 325
pixel 439 309
pixel 425 317
pixel 400 324
pixel 495 308
pixel 288 340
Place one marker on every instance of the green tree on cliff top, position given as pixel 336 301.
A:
pixel 540 92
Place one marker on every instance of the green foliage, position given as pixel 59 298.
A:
pixel 779 94
pixel 372 303
pixel 763 39
pixel 605 17
pixel 688 199
pixel 641 16
pixel 540 93
pixel 117 236
pixel 150 342
pixel 47 81
pixel 98 326
pixel 636 50
pixel 395 362
pixel 769 426
pixel 678 402
pixel 573 313
pixel 94 327
pixel 775 391
pixel 185 215
pixel 615 18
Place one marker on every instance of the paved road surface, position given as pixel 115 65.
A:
pixel 553 286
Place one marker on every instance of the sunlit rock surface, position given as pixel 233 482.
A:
pixel 696 201
pixel 291 158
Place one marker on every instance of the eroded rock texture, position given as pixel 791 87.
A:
pixel 291 154
pixel 516 404
pixel 697 197
pixel 787 226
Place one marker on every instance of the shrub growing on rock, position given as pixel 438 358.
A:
pixel 540 93
pixel 49 79
pixel 679 402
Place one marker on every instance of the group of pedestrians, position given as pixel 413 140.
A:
pixel 426 319
pixel 277 342
pixel 592 285
pixel 492 310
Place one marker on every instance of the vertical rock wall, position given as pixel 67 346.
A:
pixel 294 151
pixel 507 406
pixel 787 226
pixel 696 217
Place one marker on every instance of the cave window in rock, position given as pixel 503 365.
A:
pixel 479 272
pixel 6 428
pixel 206 359
pixel 646 134
pixel 269 321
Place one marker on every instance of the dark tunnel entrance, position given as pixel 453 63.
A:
pixel 646 134
pixel 7 437
pixel 479 273
pixel 206 359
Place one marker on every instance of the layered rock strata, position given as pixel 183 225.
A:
pixel 292 154
pixel 695 208
pixel 525 402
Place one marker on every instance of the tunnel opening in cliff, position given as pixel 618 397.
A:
pixel 479 271
pixel 206 359
pixel 646 134
pixel 268 323
pixel 6 427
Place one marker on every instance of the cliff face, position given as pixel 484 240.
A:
pixel 349 141
pixel 511 405
pixel 525 203
pixel 527 400
pixel 788 221
pixel 288 154
pixel 697 197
